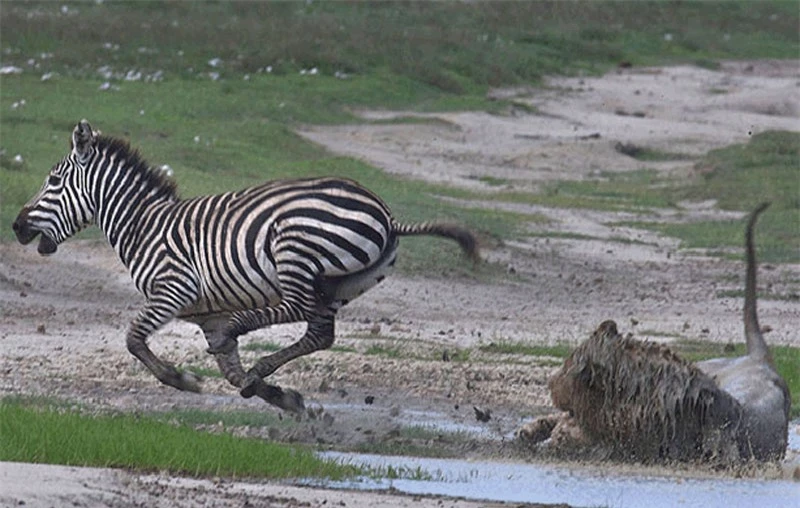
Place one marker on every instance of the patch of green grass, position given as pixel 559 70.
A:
pixel 740 177
pixel 519 348
pixel 44 435
pixel 786 358
pixel 195 417
pixel 455 47
pixel 492 181
pixel 387 352
pixel 204 371
pixel 343 349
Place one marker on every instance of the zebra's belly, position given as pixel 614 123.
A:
pixel 207 305
pixel 341 290
pixel 234 281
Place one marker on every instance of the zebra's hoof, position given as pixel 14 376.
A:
pixel 291 401
pixel 190 382
pixel 250 388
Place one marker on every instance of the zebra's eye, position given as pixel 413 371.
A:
pixel 54 180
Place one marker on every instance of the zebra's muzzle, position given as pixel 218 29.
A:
pixel 25 235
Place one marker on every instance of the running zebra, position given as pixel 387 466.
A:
pixel 285 251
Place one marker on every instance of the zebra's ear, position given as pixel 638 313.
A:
pixel 83 138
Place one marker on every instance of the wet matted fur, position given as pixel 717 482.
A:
pixel 641 402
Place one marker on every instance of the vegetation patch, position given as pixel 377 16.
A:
pixel 520 348
pixel 46 435
pixel 203 371
pixel 387 352
pixel 198 417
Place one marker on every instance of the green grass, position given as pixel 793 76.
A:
pixel 386 352
pixel 520 348
pixel 419 56
pixel 203 371
pixel 767 168
pixel 787 361
pixel 196 417
pixel 44 435
pixel 740 177
pixel 455 47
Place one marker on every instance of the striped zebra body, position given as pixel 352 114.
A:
pixel 285 251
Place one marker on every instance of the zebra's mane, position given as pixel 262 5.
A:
pixel 154 177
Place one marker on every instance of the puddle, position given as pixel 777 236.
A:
pixel 436 421
pixel 542 483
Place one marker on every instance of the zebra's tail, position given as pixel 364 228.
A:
pixel 465 238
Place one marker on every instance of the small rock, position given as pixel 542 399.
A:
pixel 369 400
pixel 40 329
pixel 482 415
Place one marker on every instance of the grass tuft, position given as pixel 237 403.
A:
pixel 46 435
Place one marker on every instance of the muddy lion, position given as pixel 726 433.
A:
pixel 635 400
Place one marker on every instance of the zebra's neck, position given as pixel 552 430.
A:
pixel 129 196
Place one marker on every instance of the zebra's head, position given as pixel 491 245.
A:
pixel 62 207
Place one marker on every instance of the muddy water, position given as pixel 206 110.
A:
pixel 539 483
pixel 575 486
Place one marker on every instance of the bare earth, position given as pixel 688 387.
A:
pixel 63 318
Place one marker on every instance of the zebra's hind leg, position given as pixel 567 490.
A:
pixel 231 366
pixel 319 335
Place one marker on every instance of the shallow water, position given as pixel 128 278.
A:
pixel 540 483
pixel 576 486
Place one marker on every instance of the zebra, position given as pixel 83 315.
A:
pixel 293 250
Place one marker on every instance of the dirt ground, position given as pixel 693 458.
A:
pixel 64 317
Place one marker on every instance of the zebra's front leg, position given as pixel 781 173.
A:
pixel 319 335
pixel 231 367
pixel 157 313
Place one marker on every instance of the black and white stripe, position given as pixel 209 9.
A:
pixel 285 251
